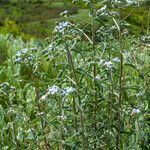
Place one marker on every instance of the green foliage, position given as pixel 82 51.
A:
pixel 12 28
pixel 4 47
pixel 29 13
pixel 137 19
pixel 83 88
pixel 9 27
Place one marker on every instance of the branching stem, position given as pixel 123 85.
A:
pixel 72 69
pixel 94 67
pixel 118 138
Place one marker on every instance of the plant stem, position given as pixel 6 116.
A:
pixel 118 138
pixel 15 137
pixel 75 113
pixel 39 112
pixel 94 67
pixel 41 119
pixel 120 95
pixel 111 91
pixel 72 70
pixel 14 133
pixel 61 129
pixel 71 64
pixel 148 21
pixel 120 102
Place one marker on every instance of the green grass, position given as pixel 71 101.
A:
pixel 40 16
pixel 39 20
pixel 57 5
pixel 46 27
pixel 137 19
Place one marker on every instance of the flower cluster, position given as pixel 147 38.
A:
pixel 124 3
pixel 109 64
pixel 133 111
pixel 125 32
pixel 21 55
pixel 62 117
pixel 106 64
pixel 55 90
pixel 66 31
pixel 6 87
pixel 146 40
pixel 104 14
pixel 7 90
pixel 62 27
pixel 102 9
pixel 116 60
pixel 102 33
pixel 97 77
pixel 66 91
pixel 139 94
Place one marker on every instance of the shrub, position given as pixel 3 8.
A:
pixel 70 92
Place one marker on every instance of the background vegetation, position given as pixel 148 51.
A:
pixel 36 18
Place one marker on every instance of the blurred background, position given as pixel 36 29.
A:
pixel 37 18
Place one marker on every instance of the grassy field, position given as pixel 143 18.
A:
pixel 38 20
pixel 40 17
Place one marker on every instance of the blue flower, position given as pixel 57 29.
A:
pixel 24 51
pixel 18 60
pixel 18 54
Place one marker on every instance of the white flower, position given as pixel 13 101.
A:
pixel 40 113
pixel 33 49
pixel 24 50
pixel 116 1
pixel 101 62
pixel 11 111
pixel 116 59
pixel 53 90
pixel 64 13
pixel 68 90
pixel 135 111
pixel 113 27
pixel 61 27
pixel 28 131
pixel 62 117
pixel 131 2
pixel 139 94
pixel 25 118
pixel 97 77
pixel 104 15
pixel 18 60
pixel 113 13
pixel 18 54
pixel 125 32
pixel 108 64
pixel 51 46
pixel 102 9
